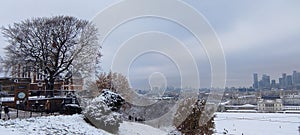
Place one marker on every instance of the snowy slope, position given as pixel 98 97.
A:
pixel 49 125
pixel 234 123
pixel 68 125
pixel 131 128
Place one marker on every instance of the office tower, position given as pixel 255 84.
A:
pixel 294 77
pixel 280 83
pixel 255 81
pixel 273 84
pixel 261 84
pixel 289 82
pixel 265 82
pixel 284 82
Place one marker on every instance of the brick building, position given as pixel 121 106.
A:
pixel 36 82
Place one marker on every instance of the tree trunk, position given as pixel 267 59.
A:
pixel 50 87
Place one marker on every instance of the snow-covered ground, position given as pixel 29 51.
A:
pixel 48 125
pixel 257 123
pixel 68 125
pixel 234 123
pixel 132 128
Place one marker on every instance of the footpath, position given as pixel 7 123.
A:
pixel 23 114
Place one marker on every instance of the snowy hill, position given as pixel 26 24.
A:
pixel 68 125
pixel 132 128
pixel 232 123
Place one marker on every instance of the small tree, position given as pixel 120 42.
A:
pixel 1 64
pixel 56 47
pixel 189 114
pixel 116 82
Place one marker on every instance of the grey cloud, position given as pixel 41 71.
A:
pixel 257 36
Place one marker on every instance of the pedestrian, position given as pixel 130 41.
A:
pixel 48 107
pixel 6 111
pixel 0 109
pixel 36 105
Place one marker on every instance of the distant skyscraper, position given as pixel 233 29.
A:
pixel 280 83
pixel 296 78
pixel 266 81
pixel 297 83
pixel 273 84
pixel 261 84
pixel 255 81
pixel 284 81
pixel 289 82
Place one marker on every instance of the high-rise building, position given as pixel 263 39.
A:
pixel 273 84
pixel 266 81
pixel 280 83
pixel 296 78
pixel 284 82
pixel 289 82
pixel 261 84
pixel 255 81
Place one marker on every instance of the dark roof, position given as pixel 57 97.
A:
pixel 273 97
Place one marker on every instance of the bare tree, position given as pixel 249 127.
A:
pixel 116 82
pixel 190 111
pixel 1 64
pixel 58 46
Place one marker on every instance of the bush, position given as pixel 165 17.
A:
pixel 112 100
pixel 101 111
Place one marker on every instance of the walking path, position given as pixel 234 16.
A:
pixel 23 114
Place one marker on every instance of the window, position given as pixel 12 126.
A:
pixel 25 72
pixel 39 74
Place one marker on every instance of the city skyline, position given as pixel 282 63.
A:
pixel 285 81
pixel 256 36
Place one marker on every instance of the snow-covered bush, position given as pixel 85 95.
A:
pixel 100 111
pixel 113 100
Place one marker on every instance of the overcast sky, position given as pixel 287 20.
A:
pixel 257 36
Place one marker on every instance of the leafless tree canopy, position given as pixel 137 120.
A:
pixel 190 111
pixel 116 82
pixel 57 46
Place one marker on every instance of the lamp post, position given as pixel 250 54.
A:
pixel 0 109
pixel 18 103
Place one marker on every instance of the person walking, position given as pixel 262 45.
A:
pixel 36 105
pixel 6 111
pixel 0 109
pixel 48 107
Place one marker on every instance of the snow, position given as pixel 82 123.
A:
pixel 257 123
pixel 243 111
pixel 99 111
pixel 73 105
pixel 30 98
pixel 234 123
pixel 225 103
pixel 131 128
pixel 66 124
pixel 248 105
pixel 49 125
pixel 7 99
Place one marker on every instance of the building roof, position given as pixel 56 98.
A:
pixel 272 97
